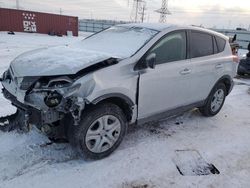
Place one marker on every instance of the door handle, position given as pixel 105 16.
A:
pixel 219 66
pixel 185 71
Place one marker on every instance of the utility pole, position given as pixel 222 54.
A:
pixel 17 4
pixel 163 11
pixel 60 11
pixel 143 9
pixel 138 11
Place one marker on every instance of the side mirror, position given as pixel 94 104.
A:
pixel 151 61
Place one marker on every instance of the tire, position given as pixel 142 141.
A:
pixel 214 101
pixel 100 131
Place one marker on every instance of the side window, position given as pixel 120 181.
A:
pixel 221 43
pixel 201 44
pixel 173 47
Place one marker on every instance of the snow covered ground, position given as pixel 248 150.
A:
pixel 147 157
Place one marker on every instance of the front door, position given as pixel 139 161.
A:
pixel 167 85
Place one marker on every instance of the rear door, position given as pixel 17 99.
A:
pixel 207 64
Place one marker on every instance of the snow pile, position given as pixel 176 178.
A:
pixel 146 156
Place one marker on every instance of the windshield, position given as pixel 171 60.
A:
pixel 119 41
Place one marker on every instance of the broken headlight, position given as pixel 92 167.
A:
pixel 53 83
pixel 27 82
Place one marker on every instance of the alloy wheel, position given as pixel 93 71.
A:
pixel 103 133
pixel 217 100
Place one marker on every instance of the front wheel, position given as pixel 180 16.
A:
pixel 100 131
pixel 215 101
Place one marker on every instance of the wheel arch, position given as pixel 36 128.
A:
pixel 227 80
pixel 121 100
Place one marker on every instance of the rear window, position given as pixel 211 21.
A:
pixel 201 44
pixel 221 43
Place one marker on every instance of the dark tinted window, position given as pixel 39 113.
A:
pixel 173 47
pixel 220 43
pixel 201 44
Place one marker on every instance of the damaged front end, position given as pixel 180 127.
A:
pixel 45 101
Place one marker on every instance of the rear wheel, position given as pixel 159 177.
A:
pixel 215 100
pixel 100 131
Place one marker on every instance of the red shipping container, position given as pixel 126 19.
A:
pixel 37 22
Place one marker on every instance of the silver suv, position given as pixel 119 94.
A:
pixel 89 92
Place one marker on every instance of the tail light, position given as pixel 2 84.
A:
pixel 235 55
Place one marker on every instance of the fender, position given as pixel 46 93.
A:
pixel 132 110
pixel 117 95
pixel 227 79
pixel 228 82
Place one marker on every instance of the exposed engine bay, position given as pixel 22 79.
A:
pixel 44 101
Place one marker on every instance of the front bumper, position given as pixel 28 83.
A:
pixel 34 116
pixel 38 112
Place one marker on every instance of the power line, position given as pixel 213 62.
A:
pixel 143 12
pixel 207 11
pixel 163 11
pixel 138 11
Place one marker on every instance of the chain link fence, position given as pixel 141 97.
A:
pixel 91 25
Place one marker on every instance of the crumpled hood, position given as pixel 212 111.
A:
pixel 54 61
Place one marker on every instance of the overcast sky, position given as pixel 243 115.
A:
pixel 209 13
